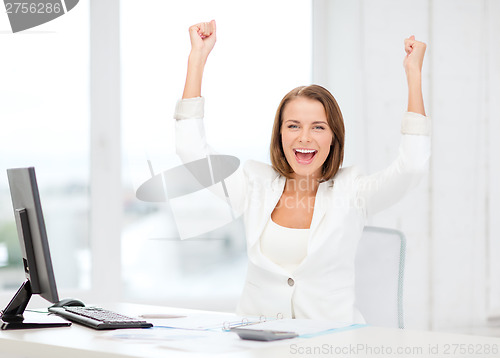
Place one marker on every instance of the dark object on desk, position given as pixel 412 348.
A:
pixel 69 302
pixel 98 318
pixel 35 251
pixel 262 335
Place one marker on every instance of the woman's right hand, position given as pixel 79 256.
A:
pixel 415 51
pixel 203 37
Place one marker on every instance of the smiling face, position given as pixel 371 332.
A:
pixel 306 137
pixel 313 113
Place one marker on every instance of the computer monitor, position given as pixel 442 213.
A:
pixel 34 249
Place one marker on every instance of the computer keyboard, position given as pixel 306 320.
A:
pixel 98 318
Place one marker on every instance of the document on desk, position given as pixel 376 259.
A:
pixel 222 341
pixel 207 322
pixel 209 332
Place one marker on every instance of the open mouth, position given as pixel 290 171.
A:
pixel 304 156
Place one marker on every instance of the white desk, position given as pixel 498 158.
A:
pixel 78 341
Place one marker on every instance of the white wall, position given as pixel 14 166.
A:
pixel 453 266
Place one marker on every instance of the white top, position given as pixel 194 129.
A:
pixel 284 246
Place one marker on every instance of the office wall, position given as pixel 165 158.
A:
pixel 453 269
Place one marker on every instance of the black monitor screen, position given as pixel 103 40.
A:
pixel 31 231
pixel 35 251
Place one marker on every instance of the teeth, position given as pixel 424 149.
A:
pixel 305 150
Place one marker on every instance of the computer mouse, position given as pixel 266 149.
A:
pixel 71 302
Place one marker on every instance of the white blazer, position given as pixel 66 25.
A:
pixel 322 287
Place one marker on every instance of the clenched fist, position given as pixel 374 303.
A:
pixel 203 38
pixel 414 58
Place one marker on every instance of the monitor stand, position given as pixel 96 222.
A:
pixel 12 316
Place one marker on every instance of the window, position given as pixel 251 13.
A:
pixel 263 50
pixel 44 106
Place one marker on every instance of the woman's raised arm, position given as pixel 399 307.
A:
pixel 203 38
pixel 413 61
pixel 384 188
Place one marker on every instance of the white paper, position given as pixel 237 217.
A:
pixel 206 332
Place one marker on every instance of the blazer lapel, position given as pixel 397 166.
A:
pixel 270 198
pixel 320 206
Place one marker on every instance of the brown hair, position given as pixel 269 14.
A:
pixel 335 122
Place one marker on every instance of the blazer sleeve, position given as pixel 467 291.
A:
pixel 190 139
pixel 191 144
pixel 384 188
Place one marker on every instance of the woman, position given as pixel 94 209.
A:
pixel 304 215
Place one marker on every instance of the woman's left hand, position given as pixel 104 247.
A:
pixel 415 51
